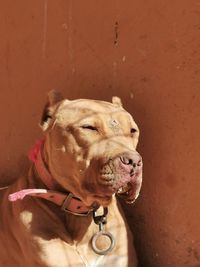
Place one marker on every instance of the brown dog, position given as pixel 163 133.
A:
pixel 65 213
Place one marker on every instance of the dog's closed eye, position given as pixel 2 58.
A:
pixel 89 127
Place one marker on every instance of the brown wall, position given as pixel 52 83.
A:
pixel 146 52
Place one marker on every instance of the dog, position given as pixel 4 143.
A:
pixel 65 212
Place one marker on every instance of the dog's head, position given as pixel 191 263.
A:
pixel 90 149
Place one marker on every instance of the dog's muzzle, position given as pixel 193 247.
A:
pixel 123 174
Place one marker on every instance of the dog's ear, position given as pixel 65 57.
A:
pixel 117 101
pixel 54 99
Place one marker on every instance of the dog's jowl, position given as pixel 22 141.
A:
pixel 64 212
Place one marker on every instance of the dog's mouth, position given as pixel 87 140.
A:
pixel 129 192
pixel 124 181
pixel 124 190
pixel 126 187
pixel 116 177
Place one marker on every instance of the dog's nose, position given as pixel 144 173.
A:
pixel 131 161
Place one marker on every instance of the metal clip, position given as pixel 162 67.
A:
pixel 100 218
pixel 101 221
pixel 65 206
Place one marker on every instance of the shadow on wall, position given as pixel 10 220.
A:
pixel 9 175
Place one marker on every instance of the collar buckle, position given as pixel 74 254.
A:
pixel 66 203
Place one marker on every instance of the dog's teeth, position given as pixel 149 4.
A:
pixel 123 189
pixel 120 190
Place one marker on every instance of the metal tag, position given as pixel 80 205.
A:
pixel 95 239
pixel 101 221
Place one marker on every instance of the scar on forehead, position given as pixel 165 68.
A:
pixel 114 123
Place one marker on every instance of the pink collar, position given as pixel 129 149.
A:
pixel 67 201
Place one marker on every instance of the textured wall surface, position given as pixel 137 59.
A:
pixel 146 52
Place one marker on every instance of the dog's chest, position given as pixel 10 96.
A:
pixel 56 253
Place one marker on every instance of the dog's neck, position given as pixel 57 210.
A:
pixel 55 193
pixel 42 185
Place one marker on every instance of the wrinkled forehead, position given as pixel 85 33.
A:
pixel 84 109
pixel 88 105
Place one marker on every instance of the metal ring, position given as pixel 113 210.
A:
pixel 103 251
